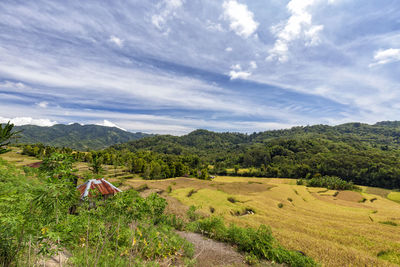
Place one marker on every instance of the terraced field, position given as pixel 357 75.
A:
pixel 337 228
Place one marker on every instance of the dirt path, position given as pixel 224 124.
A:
pixel 212 253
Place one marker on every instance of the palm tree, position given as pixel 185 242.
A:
pixel 5 135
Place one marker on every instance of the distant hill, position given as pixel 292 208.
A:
pixel 381 134
pixel 76 136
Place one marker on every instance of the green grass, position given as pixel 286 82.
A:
pixel 391 256
pixel 395 196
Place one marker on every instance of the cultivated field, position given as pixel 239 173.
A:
pixel 336 228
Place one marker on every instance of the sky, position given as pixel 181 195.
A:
pixel 173 66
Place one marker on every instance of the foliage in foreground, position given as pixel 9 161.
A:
pixel 329 182
pixel 256 242
pixel 35 222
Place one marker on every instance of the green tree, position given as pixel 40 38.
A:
pixel 5 135
pixel 96 164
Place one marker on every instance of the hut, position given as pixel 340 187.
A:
pixel 103 187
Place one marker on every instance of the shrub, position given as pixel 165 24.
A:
pixel 169 189
pixel 389 223
pixel 290 199
pixel 191 213
pixel 373 199
pixel 363 200
pixel 256 242
pixel 232 199
pixel 280 205
pixel 331 182
pixel 191 192
pixel 212 209
pixel 142 187
pixel 251 259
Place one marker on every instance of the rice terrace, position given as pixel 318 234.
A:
pixel 185 133
pixel 335 227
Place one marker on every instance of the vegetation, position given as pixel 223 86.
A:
pixel 259 243
pixel 329 182
pixel 37 222
pixel 333 230
pixel 76 136
pixel 364 154
pixel 6 134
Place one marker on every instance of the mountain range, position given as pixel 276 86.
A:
pixel 76 136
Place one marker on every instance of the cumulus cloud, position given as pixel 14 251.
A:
pixel 28 120
pixel 382 57
pixel 253 65
pixel 240 18
pixel 299 25
pixel 110 124
pixel 167 10
pixel 117 41
pixel 237 72
pixel 229 49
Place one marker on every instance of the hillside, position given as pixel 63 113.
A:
pixel 76 136
pixel 365 154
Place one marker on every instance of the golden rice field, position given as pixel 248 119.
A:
pixel 336 229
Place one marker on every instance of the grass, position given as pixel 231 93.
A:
pixel 395 196
pixel 334 232
pixel 391 256
pixel 389 223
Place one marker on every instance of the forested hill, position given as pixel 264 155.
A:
pixel 382 134
pixel 365 154
pixel 76 136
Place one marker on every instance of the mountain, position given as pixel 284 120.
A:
pixel 362 153
pixel 383 134
pixel 76 136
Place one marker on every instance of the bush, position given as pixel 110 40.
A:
pixel 232 199
pixel 256 242
pixel 191 213
pixel 331 182
pixel 191 192
pixel 389 223
pixel 280 205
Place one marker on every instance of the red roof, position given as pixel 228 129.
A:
pixel 102 186
pixel 35 164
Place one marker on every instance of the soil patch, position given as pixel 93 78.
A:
pixel 212 253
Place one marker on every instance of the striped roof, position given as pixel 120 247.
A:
pixel 101 185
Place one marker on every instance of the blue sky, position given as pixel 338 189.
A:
pixel 172 66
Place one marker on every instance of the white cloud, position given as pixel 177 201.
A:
pixel 114 39
pixel 43 104
pixel 239 74
pixel 253 65
pixel 109 124
pixel 240 18
pixel 382 57
pixel 28 120
pixel 236 67
pixel 228 49
pixel 212 26
pixel 299 25
pixel 167 10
